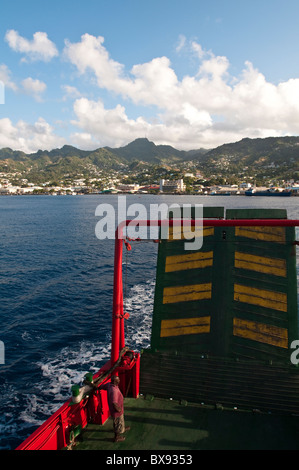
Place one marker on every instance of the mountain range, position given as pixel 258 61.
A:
pixel 139 149
pixel 273 154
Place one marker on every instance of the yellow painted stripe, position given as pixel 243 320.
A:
pixel 261 332
pixel 185 326
pixel 187 293
pixel 189 261
pixel 261 264
pixel 178 233
pixel 270 234
pixel 261 297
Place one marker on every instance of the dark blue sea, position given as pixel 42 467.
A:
pixel 56 286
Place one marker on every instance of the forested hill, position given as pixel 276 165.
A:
pixel 276 157
pixel 139 149
pixel 273 154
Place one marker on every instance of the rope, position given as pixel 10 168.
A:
pixel 104 375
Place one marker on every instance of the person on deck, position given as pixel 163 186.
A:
pixel 116 408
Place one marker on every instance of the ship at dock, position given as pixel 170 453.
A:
pixel 271 192
pixel 219 372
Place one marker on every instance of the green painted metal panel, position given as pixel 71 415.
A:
pixel 263 289
pixel 162 424
pixel 208 212
pixel 235 297
pixel 256 214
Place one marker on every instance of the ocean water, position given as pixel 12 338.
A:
pixel 56 286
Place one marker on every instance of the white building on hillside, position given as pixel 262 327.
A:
pixel 172 186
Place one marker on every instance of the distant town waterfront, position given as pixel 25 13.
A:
pixel 179 187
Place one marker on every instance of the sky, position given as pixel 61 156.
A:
pixel 191 74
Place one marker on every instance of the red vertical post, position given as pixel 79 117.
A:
pixel 117 296
pixel 122 323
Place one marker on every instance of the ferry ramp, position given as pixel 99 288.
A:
pixel 218 373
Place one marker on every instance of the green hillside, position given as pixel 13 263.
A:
pixel 273 157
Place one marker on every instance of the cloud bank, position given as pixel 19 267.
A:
pixel 28 137
pixel 206 109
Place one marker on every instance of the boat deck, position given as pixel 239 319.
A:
pixel 163 424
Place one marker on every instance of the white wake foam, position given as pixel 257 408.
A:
pixel 71 363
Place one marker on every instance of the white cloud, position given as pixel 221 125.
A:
pixel 39 48
pixel 181 43
pixel 70 92
pixel 207 109
pixel 216 67
pixel 5 77
pixel 34 88
pixel 197 49
pixel 28 137
pixel 84 141
pixel 91 54
pixel 107 126
pixel 114 128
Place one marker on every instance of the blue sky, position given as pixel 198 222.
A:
pixel 186 73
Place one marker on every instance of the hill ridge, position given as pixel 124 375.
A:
pixel 271 156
